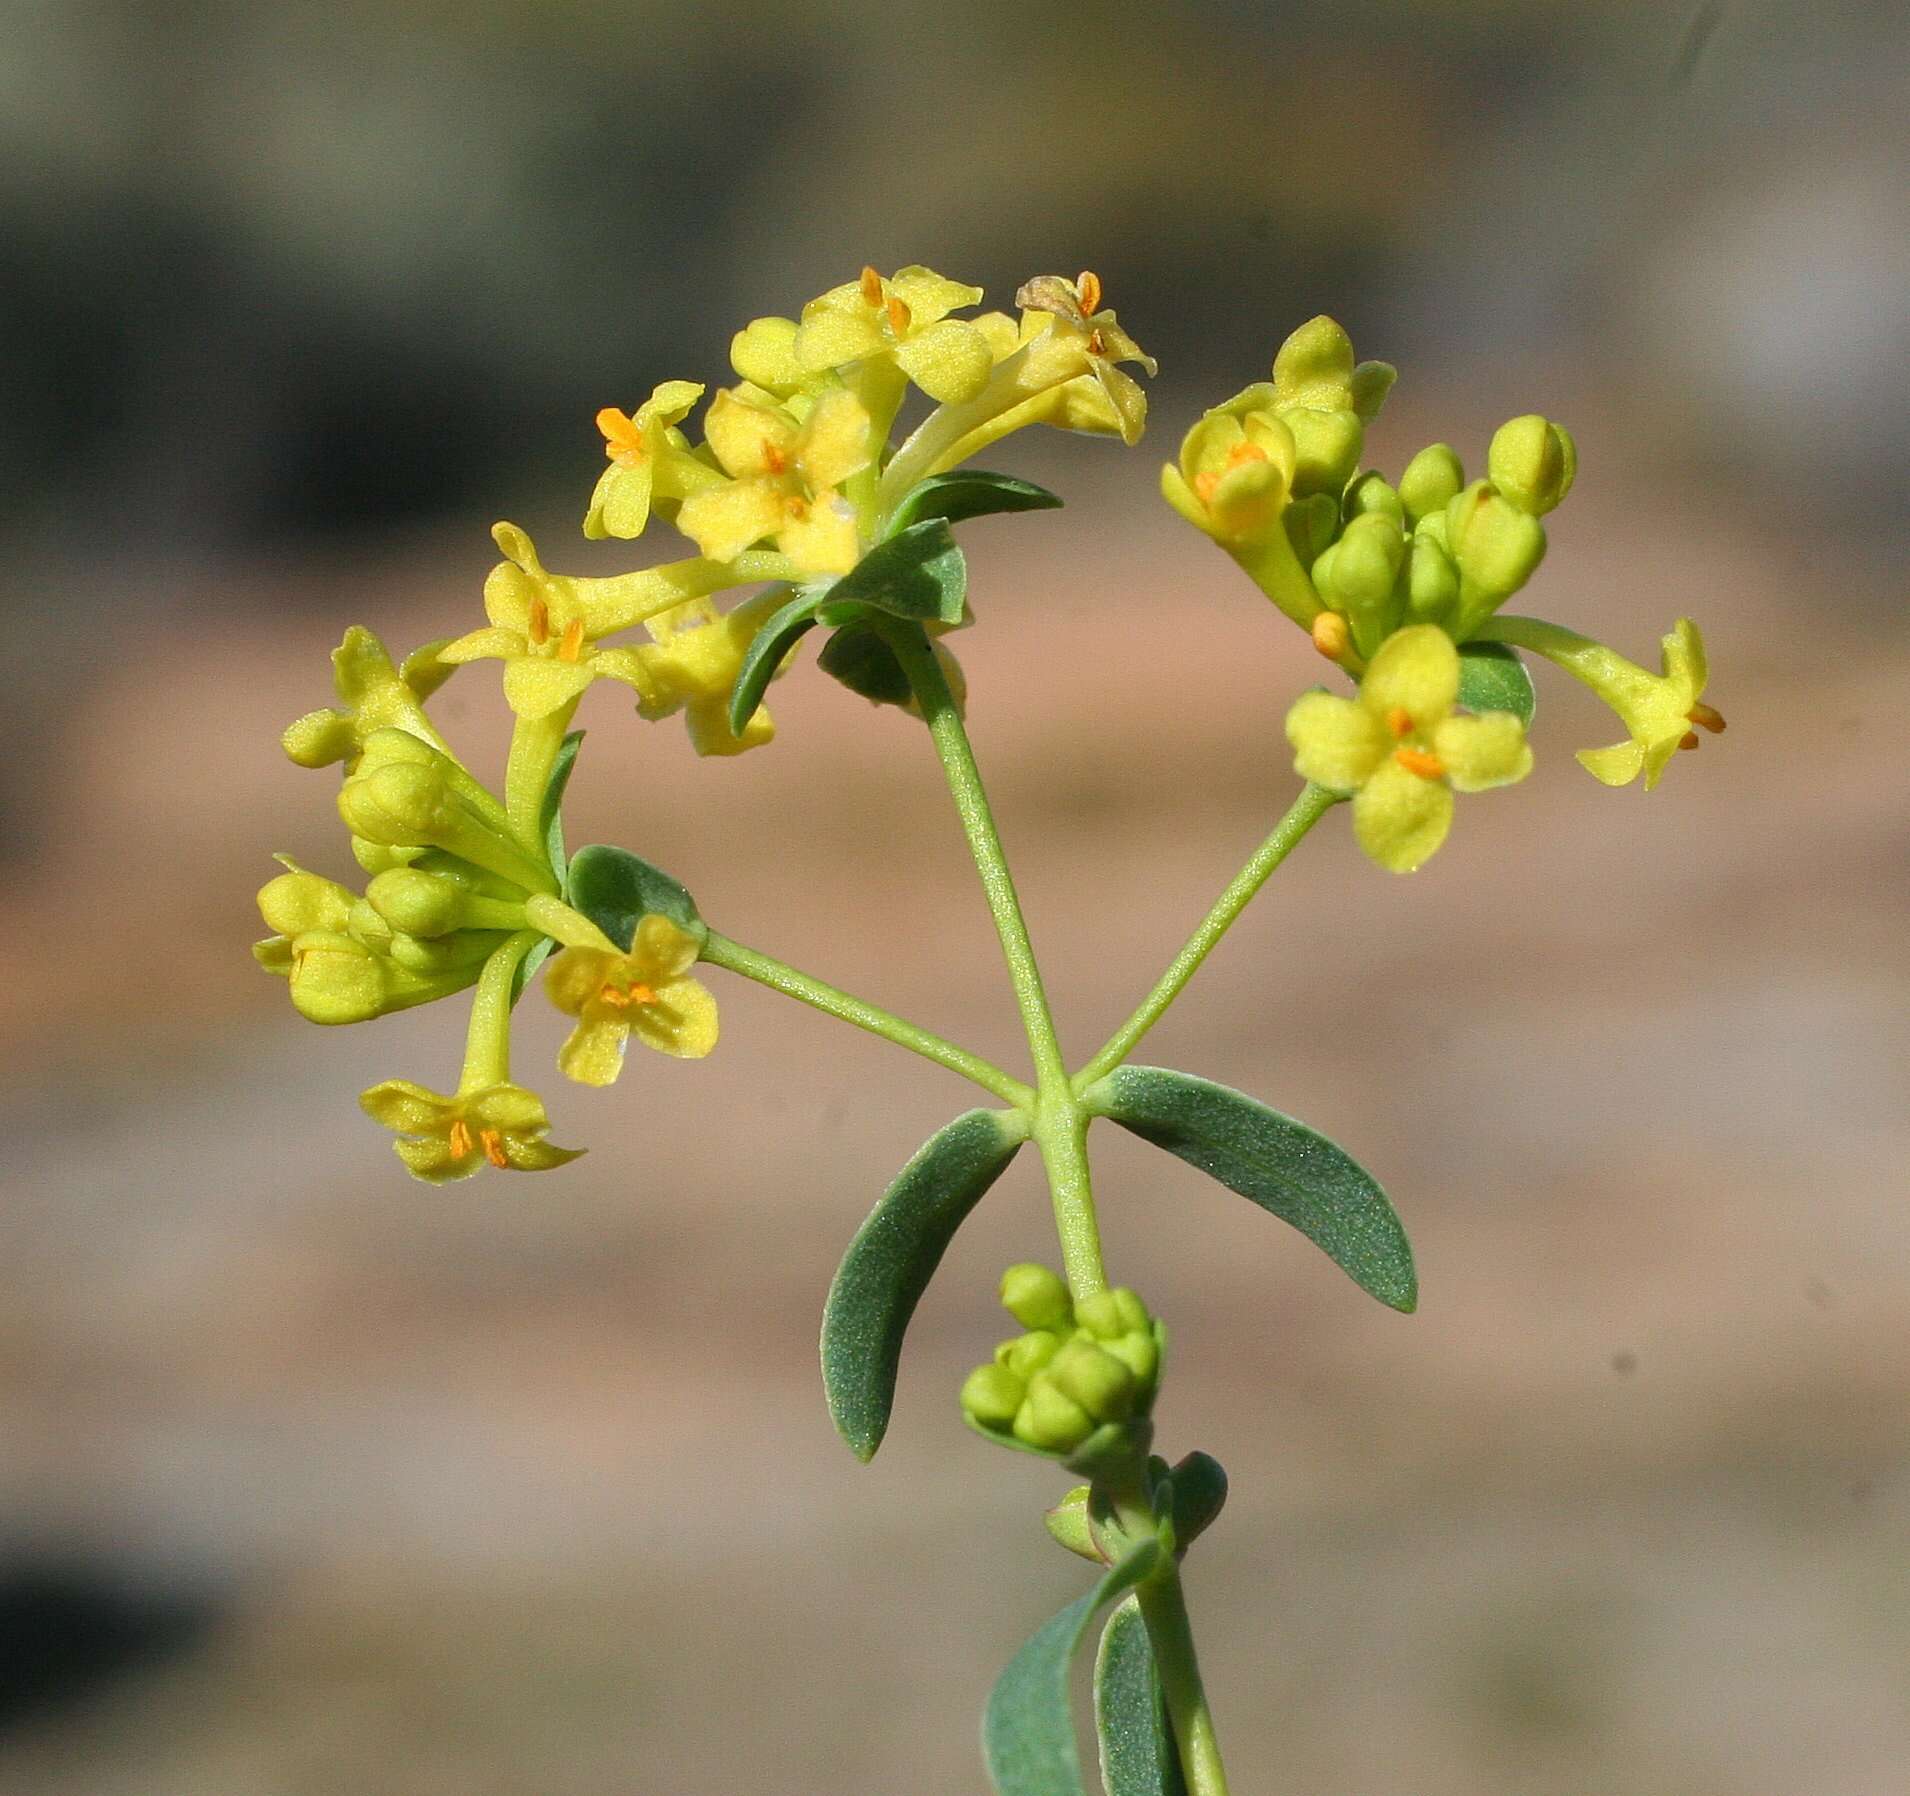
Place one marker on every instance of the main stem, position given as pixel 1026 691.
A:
pixel 1313 803
pixel 1060 1121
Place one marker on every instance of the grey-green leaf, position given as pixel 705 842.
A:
pixel 613 888
pixel 1028 1726
pixel 917 574
pixel 1493 678
pixel 1138 1756
pixel 968 493
pixel 858 657
pixel 774 638
pixel 1289 1170
pixel 1198 1493
pixel 891 1260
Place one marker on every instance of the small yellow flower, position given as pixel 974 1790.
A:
pixel 904 319
pixel 692 667
pixel 1066 321
pixel 447 1138
pixel 784 473
pixel 649 459
pixel 1401 750
pixel 646 992
pixel 374 694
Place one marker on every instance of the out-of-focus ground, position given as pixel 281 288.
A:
pixel 313 1479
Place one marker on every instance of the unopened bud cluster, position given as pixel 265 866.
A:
pixel 1077 1367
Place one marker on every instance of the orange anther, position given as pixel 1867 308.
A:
pixel 1097 344
pixel 774 460
pixel 1244 452
pixel 493 1144
pixel 1400 721
pixel 642 994
pixel 623 441
pixel 613 995
pixel 460 1139
pixel 1330 635
pixel 1205 485
pixel 1087 287
pixel 871 284
pixel 1689 739
pixel 572 643
pixel 1417 760
pixel 899 315
pixel 796 507
pixel 540 622
pixel 1707 719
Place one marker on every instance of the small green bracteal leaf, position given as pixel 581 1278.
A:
pixel 859 658
pixel 1286 1168
pixel 1138 1756
pixel 968 493
pixel 777 635
pixel 614 889
pixel 918 574
pixel 1493 678
pixel 891 1260
pixel 1068 1522
pixel 550 814
pixel 1198 1492
pixel 1028 1726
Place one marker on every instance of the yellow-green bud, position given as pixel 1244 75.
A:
pixel 367 926
pixel 1432 481
pixel 1095 1379
pixel 992 1395
pixel 400 804
pixel 1312 523
pixel 1497 547
pixel 297 901
pixel 417 903
pixel 1370 493
pixel 1364 563
pixel 1533 462
pixel 1140 1353
pixel 1035 1297
pixel 1326 448
pixel 335 978
pixel 319 738
pixel 1050 1419
pixel 1432 584
pixel 1111 1314
pixel 1026 1354
pixel 1314 366
pixel 381 857
pixel 446 954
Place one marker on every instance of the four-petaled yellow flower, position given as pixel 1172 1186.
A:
pixel 1065 319
pixel 649 459
pixel 374 694
pixel 447 1138
pixel 613 995
pixel 904 319
pixel 1401 750
pixel 692 667
pixel 784 473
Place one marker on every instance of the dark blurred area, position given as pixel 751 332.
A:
pixel 316 1480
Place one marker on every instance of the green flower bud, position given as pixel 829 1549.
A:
pixel 991 1395
pixel 1432 481
pixel 1497 547
pixel 1068 1522
pixel 399 804
pixel 1026 1354
pixel 1432 581
pixel 298 901
pixel 1314 366
pixel 446 954
pixel 319 738
pixel 1312 523
pixel 380 857
pixel 1141 1354
pixel 365 925
pixel 1111 1314
pixel 335 978
pixel 1035 1297
pixel 1533 462
pixel 1095 1379
pixel 1357 578
pixel 1370 494
pixel 1326 446
pixel 1050 1419
pixel 433 901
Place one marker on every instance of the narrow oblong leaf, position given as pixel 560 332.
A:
pixel 859 658
pixel 1289 1170
pixel 550 814
pixel 1197 1494
pixel 918 573
pixel 891 1260
pixel 778 633
pixel 1138 1755
pixel 614 889
pixel 968 493
pixel 1028 1726
pixel 1493 678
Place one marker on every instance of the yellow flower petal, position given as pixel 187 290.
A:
pixel 724 520
pixel 433 1161
pixel 930 296
pixel 535 686
pixel 834 440
pixel 661 950
pixel 1415 671
pixel 593 1053
pixel 681 1023
pixel 710 732
pixel 1400 818
pixel 408 1109
pixel 829 337
pixel 575 978
pixel 764 353
pixel 1618 765
pixel 748 439
pixel 620 506
pixel 1482 752
pixel 483 645
pixel 949 361
pixel 823 540
pixel 1337 742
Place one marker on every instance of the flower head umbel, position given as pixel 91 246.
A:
pixel 646 991
pixel 784 475
pixel 445 1138
pixel 650 459
pixel 1402 751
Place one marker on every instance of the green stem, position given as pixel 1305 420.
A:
pixel 1060 1121
pixel 1313 803
pixel 487 1044
pixel 720 951
pixel 1164 1609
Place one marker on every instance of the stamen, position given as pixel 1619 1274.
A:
pixel 1400 721
pixel 774 460
pixel 1087 287
pixel 540 622
pixel 899 315
pixel 642 994
pixel 1206 485
pixel 613 995
pixel 796 507
pixel 1690 739
pixel 493 1144
pixel 460 1139
pixel 1331 635
pixel 871 287
pixel 1242 453
pixel 1417 760
pixel 1097 344
pixel 1707 719
pixel 623 440
pixel 572 645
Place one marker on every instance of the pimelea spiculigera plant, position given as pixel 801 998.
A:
pixel 800 492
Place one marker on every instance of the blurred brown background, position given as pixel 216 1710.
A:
pixel 314 1480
